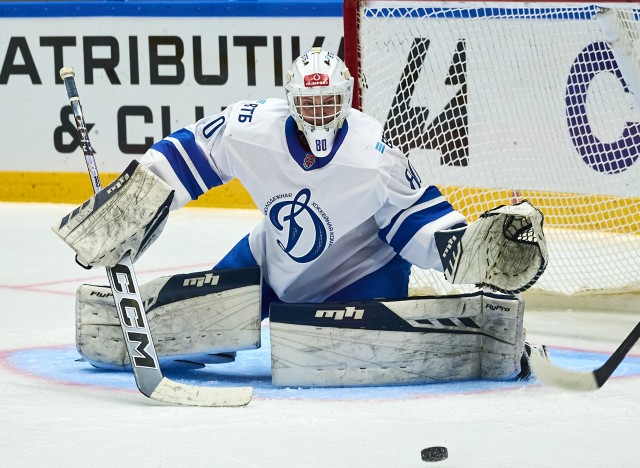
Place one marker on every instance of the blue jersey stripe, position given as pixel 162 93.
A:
pixel 179 166
pixel 414 222
pixel 430 193
pixel 188 141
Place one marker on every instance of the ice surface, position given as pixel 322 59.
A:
pixel 56 413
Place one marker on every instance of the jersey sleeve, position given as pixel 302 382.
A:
pixel 412 214
pixel 193 159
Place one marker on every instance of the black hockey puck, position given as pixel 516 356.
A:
pixel 433 454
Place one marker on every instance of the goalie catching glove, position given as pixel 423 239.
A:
pixel 504 250
pixel 127 216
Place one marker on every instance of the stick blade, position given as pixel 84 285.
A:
pixel 176 393
pixel 563 378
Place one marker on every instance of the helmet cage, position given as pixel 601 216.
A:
pixel 319 92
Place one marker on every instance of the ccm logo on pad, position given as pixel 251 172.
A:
pixel 349 312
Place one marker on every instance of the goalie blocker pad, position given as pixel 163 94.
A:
pixel 127 216
pixel 191 317
pixel 408 341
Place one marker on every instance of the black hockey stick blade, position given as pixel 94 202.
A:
pixel 583 380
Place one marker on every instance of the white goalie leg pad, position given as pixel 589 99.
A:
pixel 503 336
pixel 190 316
pixel 127 216
pixel 504 250
pixel 409 341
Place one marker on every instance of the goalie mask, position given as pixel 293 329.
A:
pixel 319 91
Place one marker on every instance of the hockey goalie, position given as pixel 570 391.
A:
pixel 345 217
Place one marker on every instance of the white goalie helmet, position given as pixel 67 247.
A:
pixel 319 91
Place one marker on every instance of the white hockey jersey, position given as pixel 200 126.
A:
pixel 327 221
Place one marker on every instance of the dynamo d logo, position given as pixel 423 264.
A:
pixel 305 226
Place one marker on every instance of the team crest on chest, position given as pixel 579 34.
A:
pixel 309 160
pixel 304 229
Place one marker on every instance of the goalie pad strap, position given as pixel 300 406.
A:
pixel 408 341
pixel 190 316
pixel 127 216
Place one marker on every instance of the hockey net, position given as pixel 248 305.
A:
pixel 498 102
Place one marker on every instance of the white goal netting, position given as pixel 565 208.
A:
pixel 498 102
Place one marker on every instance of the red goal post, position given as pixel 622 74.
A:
pixel 496 102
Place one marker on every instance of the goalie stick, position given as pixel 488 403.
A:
pixel 583 380
pixel 133 320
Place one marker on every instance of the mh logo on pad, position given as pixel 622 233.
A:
pixel 349 312
pixel 200 281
